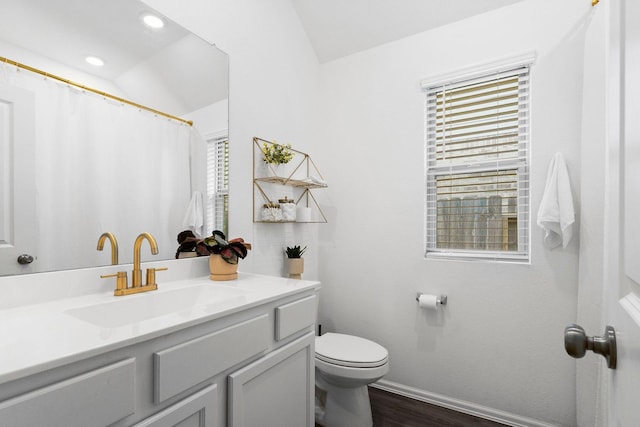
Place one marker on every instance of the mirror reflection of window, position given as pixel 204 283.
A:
pixel 218 184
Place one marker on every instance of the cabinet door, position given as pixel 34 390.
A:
pixel 277 390
pixel 197 410
pixel 94 399
pixel 17 179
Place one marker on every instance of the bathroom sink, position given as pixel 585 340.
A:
pixel 133 309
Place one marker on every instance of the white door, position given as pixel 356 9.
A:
pixel 622 218
pixel 17 181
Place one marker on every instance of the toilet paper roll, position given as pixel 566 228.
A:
pixel 428 301
pixel 303 215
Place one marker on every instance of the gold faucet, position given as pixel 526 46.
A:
pixel 122 287
pixel 114 246
pixel 137 271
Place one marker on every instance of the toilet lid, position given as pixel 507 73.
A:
pixel 348 350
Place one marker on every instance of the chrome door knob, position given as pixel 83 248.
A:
pixel 25 259
pixel 576 343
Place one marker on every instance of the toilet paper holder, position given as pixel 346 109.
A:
pixel 441 300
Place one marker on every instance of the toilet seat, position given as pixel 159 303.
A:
pixel 350 351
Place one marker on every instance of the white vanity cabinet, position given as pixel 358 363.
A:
pixel 96 398
pixel 253 367
pixel 197 410
pixel 277 390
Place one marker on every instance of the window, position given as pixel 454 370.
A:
pixel 477 163
pixel 218 184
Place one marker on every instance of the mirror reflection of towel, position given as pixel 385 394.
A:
pixel 556 215
pixel 194 217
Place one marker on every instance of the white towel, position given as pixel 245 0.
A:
pixel 556 215
pixel 315 180
pixel 194 217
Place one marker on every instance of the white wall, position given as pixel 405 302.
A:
pixel 497 347
pixel 498 343
pixel 212 119
pixel 273 83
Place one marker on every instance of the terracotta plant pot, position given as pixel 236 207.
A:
pixel 221 270
pixel 296 267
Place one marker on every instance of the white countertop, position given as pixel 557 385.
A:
pixel 57 331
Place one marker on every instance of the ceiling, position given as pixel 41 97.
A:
pixel 338 28
pixel 68 30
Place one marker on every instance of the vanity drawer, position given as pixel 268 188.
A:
pixel 185 365
pixel 96 398
pixel 295 316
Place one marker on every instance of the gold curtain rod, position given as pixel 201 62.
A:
pixel 594 2
pixel 99 92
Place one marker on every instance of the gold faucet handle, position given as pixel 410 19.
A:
pixel 151 274
pixel 121 279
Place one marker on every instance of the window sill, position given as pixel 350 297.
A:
pixel 501 257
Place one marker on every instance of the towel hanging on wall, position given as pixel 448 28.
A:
pixel 556 215
pixel 194 217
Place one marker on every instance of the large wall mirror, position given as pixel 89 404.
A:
pixel 75 164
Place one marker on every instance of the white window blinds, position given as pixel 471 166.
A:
pixel 477 134
pixel 218 184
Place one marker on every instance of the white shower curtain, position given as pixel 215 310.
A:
pixel 103 166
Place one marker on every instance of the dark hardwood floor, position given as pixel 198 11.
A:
pixel 392 410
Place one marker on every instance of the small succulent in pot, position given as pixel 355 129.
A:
pixel 229 251
pixel 295 251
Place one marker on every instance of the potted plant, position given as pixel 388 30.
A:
pixel 277 154
pixel 295 262
pixel 188 243
pixel 223 255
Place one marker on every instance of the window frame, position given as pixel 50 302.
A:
pixel 217 184
pixel 521 164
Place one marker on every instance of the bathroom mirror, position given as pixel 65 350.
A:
pixel 169 70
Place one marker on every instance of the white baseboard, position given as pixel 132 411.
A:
pixel 460 405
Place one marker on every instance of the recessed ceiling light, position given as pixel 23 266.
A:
pixel 152 21
pixel 94 60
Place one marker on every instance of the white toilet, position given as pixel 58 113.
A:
pixel 345 365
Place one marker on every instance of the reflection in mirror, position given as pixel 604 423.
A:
pixel 74 164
